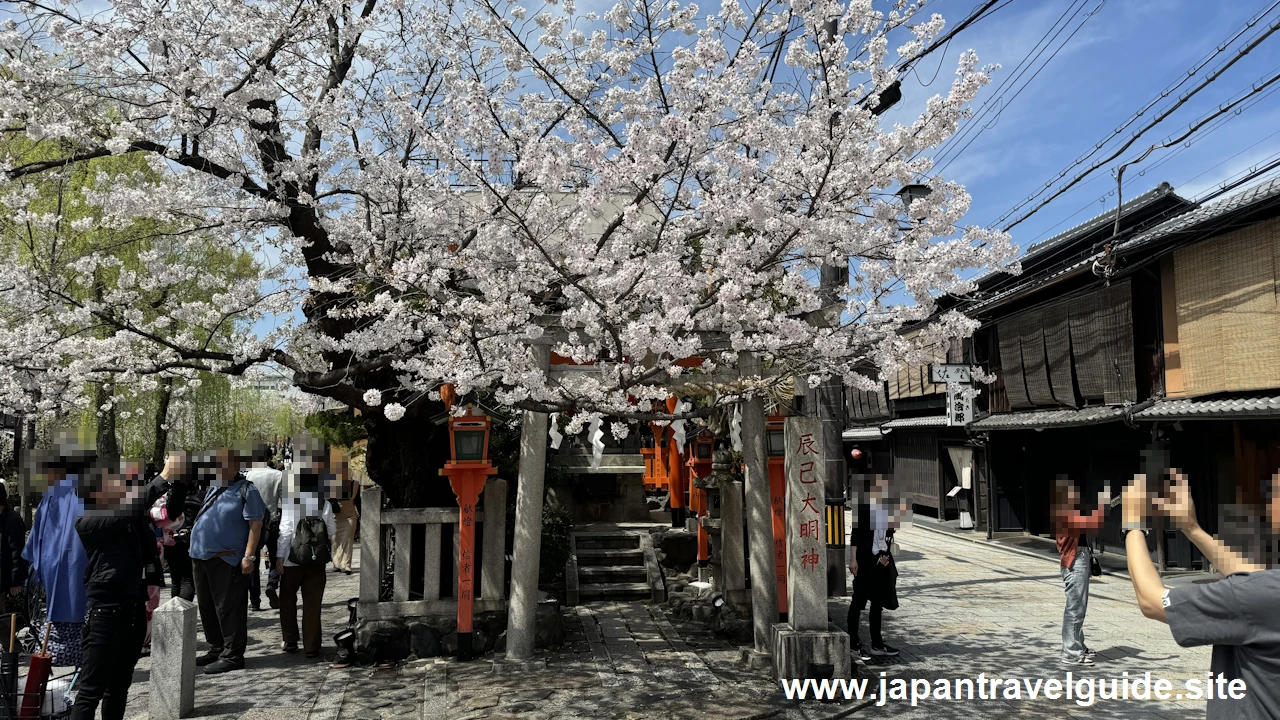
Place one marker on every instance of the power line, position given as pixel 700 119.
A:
pixel 1000 89
pixel 1219 49
pixel 1252 173
pixel 1182 100
pixel 973 17
pixel 983 128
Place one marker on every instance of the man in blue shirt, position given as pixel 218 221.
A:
pixel 225 537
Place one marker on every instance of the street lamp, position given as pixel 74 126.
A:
pixel 912 192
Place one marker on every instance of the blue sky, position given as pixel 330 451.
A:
pixel 1121 58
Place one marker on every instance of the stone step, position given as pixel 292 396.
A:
pixel 639 591
pixel 603 556
pixel 603 541
pixel 613 573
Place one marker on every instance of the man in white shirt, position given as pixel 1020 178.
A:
pixel 267 480
pixel 301 564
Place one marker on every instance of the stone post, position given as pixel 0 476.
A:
pixel 764 588
pixel 806 525
pixel 733 554
pixel 173 660
pixel 371 545
pixel 807 645
pixel 493 566
pixel 523 607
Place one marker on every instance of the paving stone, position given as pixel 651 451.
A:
pixel 479 703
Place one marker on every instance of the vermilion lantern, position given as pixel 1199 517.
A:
pixel 775 443
pixel 469 439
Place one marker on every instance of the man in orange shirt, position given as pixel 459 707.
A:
pixel 1069 526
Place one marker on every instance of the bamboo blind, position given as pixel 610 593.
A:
pixel 1228 312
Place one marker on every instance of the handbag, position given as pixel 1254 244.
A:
pixel 888 584
pixel 1095 567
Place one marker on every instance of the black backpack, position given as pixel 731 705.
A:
pixel 310 544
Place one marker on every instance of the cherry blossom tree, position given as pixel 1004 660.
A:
pixel 430 187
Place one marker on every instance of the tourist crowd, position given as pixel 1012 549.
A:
pixel 108 535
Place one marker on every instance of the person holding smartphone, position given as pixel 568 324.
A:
pixel 1236 615
pixel 1076 559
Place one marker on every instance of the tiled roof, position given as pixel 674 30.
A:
pixel 863 434
pixel 929 421
pixel 1204 214
pixel 1191 221
pixel 1205 409
pixel 1090 225
pixel 1031 419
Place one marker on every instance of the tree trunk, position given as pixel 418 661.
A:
pixel 404 457
pixel 108 448
pixel 164 394
pixel 19 442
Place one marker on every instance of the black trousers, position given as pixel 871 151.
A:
pixel 270 535
pixel 855 618
pixel 112 643
pixel 222 593
pixel 182 583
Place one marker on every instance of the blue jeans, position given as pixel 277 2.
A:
pixel 1075 581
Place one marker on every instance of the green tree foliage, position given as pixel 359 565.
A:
pixel 47 221
pixel 337 428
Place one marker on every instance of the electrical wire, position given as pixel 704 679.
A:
pixel 973 17
pixel 998 93
pixel 1182 100
pixel 1182 147
pixel 1249 175
pixel 956 153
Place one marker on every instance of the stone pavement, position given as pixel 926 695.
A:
pixel 967 608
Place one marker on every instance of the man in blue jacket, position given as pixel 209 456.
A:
pixel 225 536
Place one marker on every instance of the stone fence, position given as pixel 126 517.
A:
pixel 411 538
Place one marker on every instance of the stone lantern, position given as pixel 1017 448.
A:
pixel 709 521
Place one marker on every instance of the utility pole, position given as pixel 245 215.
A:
pixel 826 403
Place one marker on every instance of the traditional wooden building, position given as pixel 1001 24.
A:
pixel 1163 337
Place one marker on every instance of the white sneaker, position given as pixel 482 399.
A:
pixel 1084 659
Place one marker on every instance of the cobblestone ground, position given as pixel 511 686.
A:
pixel 967 608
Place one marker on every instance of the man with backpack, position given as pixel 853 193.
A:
pixel 225 535
pixel 303 549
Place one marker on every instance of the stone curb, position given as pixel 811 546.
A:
pixel 991 544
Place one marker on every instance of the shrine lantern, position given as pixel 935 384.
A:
pixel 775 443
pixel 467 470
pixel 469 439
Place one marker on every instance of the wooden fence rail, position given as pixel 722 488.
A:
pixel 378 525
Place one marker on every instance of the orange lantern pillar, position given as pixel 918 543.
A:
pixel 467 470
pixel 775 448
pixel 656 460
pixel 700 467
pixel 675 473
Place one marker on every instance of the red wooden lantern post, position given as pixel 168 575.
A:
pixel 700 467
pixel 467 469
pixel 675 473
pixel 775 447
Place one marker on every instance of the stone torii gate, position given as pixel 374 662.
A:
pixel 804 646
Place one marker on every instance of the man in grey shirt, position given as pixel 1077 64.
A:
pixel 1237 615
pixel 267 480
